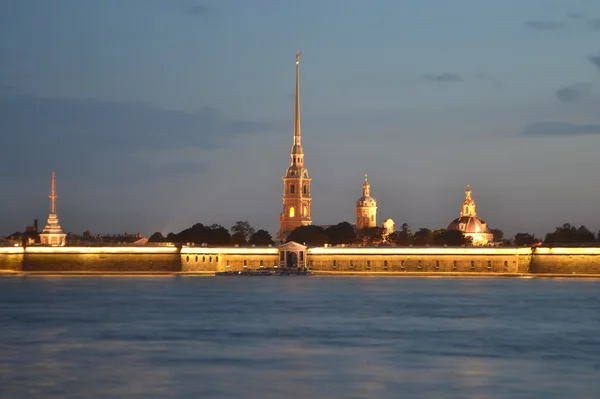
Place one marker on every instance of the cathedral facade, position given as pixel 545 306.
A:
pixel 470 224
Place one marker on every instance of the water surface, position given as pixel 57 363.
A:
pixel 298 337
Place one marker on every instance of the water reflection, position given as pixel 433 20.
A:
pixel 298 337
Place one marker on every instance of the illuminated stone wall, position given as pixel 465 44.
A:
pixel 566 261
pixel 457 260
pixel 542 261
pixel 207 259
pixel 11 258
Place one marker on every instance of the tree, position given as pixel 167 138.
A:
pixel 242 229
pixel 525 239
pixel 454 238
pixel 341 233
pixel 370 235
pixel 156 237
pixel 423 237
pixel 568 234
pixel 261 237
pixel 498 235
pixel 402 237
pixel 237 239
pixel 313 236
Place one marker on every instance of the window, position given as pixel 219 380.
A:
pixel 385 264
pixel 216 258
pixel 204 259
pixel 301 256
pixel 402 263
pixel 472 264
pixel 196 258
pixel 419 264
pixel 304 190
pixel 187 258
pixel 489 264
pixel 210 259
pixel 292 211
pixel 292 189
pixel 334 263
pixel 245 263
pixel 351 264
pixel 437 264
pixel 227 263
pixel 305 212
pixel 455 264
pixel 261 263
pixel 505 264
pixel 368 263
pixel 372 218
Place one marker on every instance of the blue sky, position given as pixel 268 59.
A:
pixel 157 114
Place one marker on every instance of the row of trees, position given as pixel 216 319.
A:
pixel 344 233
pixel 241 233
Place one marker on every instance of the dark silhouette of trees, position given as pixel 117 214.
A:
pixel 313 236
pixel 242 231
pixel 402 237
pixel 498 235
pixel 423 237
pixel 370 235
pixel 525 239
pixel 568 235
pixel 261 237
pixel 156 237
pixel 212 235
pixel 341 233
pixel 451 237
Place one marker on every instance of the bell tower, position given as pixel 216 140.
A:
pixel 366 208
pixel 468 207
pixel 296 182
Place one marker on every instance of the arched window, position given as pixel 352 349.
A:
pixel 210 259
pixel 292 189
pixel 292 211
pixel 305 211
pixel 304 190
pixel 204 259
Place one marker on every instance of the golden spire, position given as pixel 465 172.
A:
pixel 366 187
pixel 468 207
pixel 53 195
pixel 297 131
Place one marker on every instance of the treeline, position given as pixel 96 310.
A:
pixel 345 233
pixel 241 233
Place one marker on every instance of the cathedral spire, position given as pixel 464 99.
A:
pixel 297 131
pixel 366 187
pixel 53 195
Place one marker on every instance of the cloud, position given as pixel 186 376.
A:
pixel 198 10
pixel 489 79
pixel 444 77
pixel 544 25
pixel 541 129
pixel 573 92
pixel 595 59
pixel 594 23
pixel 95 136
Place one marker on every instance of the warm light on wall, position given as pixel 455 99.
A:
pixel 102 250
pixel 417 251
pixel 225 250
pixel 11 250
pixel 567 251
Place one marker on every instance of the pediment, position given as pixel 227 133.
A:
pixel 292 246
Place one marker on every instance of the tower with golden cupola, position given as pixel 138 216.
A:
pixel 366 208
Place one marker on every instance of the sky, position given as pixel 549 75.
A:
pixel 158 114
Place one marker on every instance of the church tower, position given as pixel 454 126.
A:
pixel 366 208
pixel 53 234
pixel 296 182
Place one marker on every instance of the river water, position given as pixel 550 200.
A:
pixel 298 337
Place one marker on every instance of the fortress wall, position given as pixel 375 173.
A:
pixel 210 259
pixel 101 259
pixel 566 260
pixel 471 260
pixel 11 258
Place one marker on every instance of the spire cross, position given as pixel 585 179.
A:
pixel 53 195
